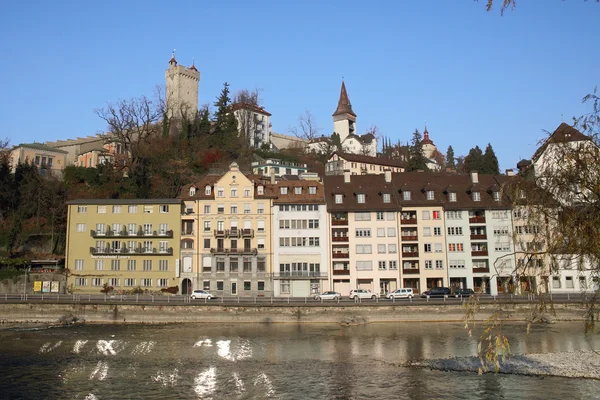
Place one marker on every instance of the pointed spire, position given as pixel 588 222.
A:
pixel 194 65
pixel 426 139
pixel 344 106
pixel 173 61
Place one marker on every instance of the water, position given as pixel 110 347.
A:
pixel 269 361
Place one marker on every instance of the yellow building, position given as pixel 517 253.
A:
pixel 125 244
pixel 226 235
pixel 47 159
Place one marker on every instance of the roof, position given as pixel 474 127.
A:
pixel 426 139
pixel 303 198
pixel 369 159
pixel 41 146
pixel 252 107
pixel 371 186
pixel 563 134
pixel 344 106
pixel 122 201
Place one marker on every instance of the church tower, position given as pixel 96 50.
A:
pixel 344 119
pixel 182 89
pixel 427 144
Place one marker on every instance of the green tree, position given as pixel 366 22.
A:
pixel 417 160
pixel 490 161
pixel 224 135
pixel 474 160
pixel 450 162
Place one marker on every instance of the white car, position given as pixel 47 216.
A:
pixel 201 294
pixel 402 293
pixel 363 294
pixel 328 296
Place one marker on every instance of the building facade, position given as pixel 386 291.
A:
pixel 358 164
pixel 181 89
pixel 48 159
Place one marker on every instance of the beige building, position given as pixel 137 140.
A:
pixel 124 244
pixel 358 164
pixel 47 159
pixel 226 241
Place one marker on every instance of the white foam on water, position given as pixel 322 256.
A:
pixel 243 350
pixel 223 349
pixel 263 379
pixel 205 383
pixel 239 384
pixel 68 373
pixel 203 342
pixel 166 379
pixel 143 347
pixel 45 347
pixel 90 396
pixel 78 345
pixel 100 372
pixel 109 347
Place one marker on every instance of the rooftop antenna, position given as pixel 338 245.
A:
pixel 562 116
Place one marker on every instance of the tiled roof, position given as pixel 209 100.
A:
pixel 563 134
pixel 41 146
pixel 372 186
pixel 344 106
pixel 251 107
pixel 369 159
pixel 304 198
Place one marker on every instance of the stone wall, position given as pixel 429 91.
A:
pixel 15 286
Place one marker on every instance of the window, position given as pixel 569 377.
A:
pixel 438 247
pixel 362 216
pixel 392 248
pixel 78 265
pixel 393 264
pixel 381 265
pixel 261 243
pixel 247 264
pixel 360 198
pixel 114 282
pixel 261 286
pixel 220 192
pixel 206 244
pixel 496 196
pixel 192 191
pixel 220 264
pixel 428 264
pixel 260 208
pixel 391 232
pixel 233 192
pixel 163 282
pixel 363 249
pixel 430 195
pixel 132 209
pixel 260 190
pixel 476 196
pixel 569 284
pixel 499 214
pixel 455 231
pixel 131 265
pixel 261 264
pixel 427 247
pixel 99 265
pixel 285 286
pixel 283 190
pixel 437 214
pixel 101 209
pixel 338 198
pixel 453 214
pixel 97 281
pixel 220 209
pixel 555 282
pixel 452 196
pixel 234 209
pixel 521 194
pixel 147 229
pixel 260 226
pixel 207 191
pixel 206 226
pixel 363 232
pixel 219 285
pixel 500 230
pixel 426 231
pixel 457 264
pixel 233 264
pixel 116 209
pixel 502 246
pixel 437 231
pixel 146 282
pixel 206 209
pixel 312 190
pixel 147 265
pixel 364 265
pixel 80 227
pixel 81 209
pixel 380 216
pixel 247 208
pixel 247 285
pixel 439 264
pixel 80 281
pixel 163 265
pixel 406 195
pixel 380 232
pixel 390 216
pixel 455 247
pixel 298 190
pixel 381 248
pixel 115 265
pixel 426 215
pixel 582 282
pixel 129 282
pixel 148 209
pixel 386 199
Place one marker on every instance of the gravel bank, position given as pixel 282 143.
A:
pixel 578 364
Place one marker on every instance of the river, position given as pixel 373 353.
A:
pixel 257 361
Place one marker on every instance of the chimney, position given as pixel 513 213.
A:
pixel 510 172
pixel 388 175
pixel 272 175
pixel 346 176
pixel 474 177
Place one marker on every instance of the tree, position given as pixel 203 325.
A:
pixel 450 161
pixel 505 4
pixel 417 160
pixel 490 161
pixel 224 135
pixel 474 160
pixel 307 128
pixel 246 104
pixel 438 158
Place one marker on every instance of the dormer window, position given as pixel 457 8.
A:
pixel 430 195
pixel 452 196
pixel 298 190
pixel 360 198
pixel 522 194
pixel 339 198
pixel 207 190
pixel 283 190
pixel 192 191
pixel 387 198
pixel 406 195
pixel 312 190
pixel 476 196
pixel 496 196
pixel 260 190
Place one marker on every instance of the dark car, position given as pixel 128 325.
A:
pixel 437 292
pixel 463 293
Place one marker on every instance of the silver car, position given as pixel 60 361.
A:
pixel 202 294
pixel 328 296
pixel 363 294
pixel 402 293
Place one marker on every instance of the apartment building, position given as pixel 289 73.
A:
pixel 124 244
pixel 300 239
pixel 359 164
pixel 49 160
pixel 226 235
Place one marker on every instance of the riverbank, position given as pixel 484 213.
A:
pixel 345 315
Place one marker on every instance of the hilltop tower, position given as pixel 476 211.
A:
pixel 344 119
pixel 427 144
pixel 182 89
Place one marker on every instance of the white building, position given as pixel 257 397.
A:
pixel 277 167
pixel 254 124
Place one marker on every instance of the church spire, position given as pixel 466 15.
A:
pixel 426 139
pixel 344 106
pixel 173 61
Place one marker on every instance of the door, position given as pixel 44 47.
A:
pixel 233 288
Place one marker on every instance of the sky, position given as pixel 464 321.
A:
pixel 474 77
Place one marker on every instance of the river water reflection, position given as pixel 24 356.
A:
pixel 269 361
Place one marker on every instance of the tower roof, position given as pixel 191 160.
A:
pixel 426 139
pixel 344 106
pixel 173 60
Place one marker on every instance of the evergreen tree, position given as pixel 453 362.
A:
pixel 490 161
pixel 474 160
pixel 450 163
pixel 417 160
pixel 225 133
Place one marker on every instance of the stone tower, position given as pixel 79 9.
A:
pixel 344 119
pixel 427 144
pixel 182 89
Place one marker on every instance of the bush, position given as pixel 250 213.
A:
pixel 172 290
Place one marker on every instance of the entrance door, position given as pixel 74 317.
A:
pixel 234 288
pixel 186 286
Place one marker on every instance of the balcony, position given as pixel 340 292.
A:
pixel 187 233
pixel 409 271
pixel 248 233
pixel 124 233
pixel 220 233
pixel 479 253
pixel 409 238
pixel 481 270
pixel 299 274
pixel 234 233
pixel 479 237
pixel 135 251
pixel 339 222
pixel 339 238
pixel 340 255
pixel 341 272
pixel 477 220
pixel 408 221
pixel 410 254
pixel 236 251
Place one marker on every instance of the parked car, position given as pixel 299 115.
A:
pixel 328 296
pixel 463 293
pixel 202 294
pixel 363 294
pixel 402 293
pixel 437 292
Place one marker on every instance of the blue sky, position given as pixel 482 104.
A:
pixel 475 77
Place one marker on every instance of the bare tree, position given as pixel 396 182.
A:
pixel 307 128
pixel 247 109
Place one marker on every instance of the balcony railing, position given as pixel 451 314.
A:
pixel 220 233
pixel 479 237
pixel 187 233
pixel 477 220
pixel 247 250
pixel 124 233
pixel 410 271
pixel 408 221
pixel 235 233
pixel 248 233
pixel 340 255
pixel 135 251
pixel 339 238
pixel 481 270
pixel 341 272
pixel 409 238
pixel 300 274
pixel 339 222
pixel 479 253
pixel 410 254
